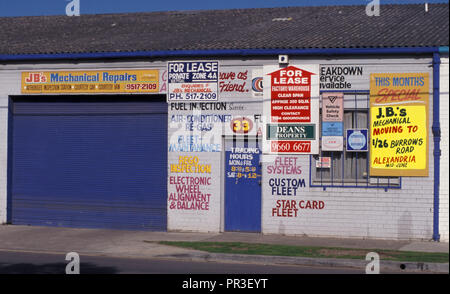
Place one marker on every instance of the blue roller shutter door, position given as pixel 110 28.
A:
pixel 90 164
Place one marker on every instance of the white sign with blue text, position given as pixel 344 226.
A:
pixel 192 80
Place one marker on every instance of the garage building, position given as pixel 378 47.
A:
pixel 94 130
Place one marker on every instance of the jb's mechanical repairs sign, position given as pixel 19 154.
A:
pixel 193 80
pixel 117 81
pixel 291 108
pixel 399 124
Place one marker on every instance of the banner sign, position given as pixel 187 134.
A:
pixel 116 81
pixel 291 106
pixel 193 81
pixel 399 124
pixel 357 140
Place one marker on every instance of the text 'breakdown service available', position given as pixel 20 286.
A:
pixel 193 81
pixel 399 124
pixel 118 81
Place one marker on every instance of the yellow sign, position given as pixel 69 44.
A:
pixel 399 124
pixel 117 81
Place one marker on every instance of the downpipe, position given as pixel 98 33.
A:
pixel 436 129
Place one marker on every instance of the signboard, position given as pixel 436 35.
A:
pixel 242 125
pixel 332 143
pixel 399 124
pixel 332 128
pixel 344 77
pixel 323 162
pixel 290 95
pixel 332 121
pixel 357 140
pixel 333 107
pixel 235 82
pixel 290 132
pixel 291 106
pixel 116 81
pixel 193 81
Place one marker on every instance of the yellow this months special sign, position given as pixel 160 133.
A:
pixel 116 81
pixel 399 124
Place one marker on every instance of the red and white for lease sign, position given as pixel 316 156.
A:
pixel 291 106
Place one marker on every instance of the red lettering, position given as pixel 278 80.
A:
pixel 389 95
pixel 311 204
pixel 227 75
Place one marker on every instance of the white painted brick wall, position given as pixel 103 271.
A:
pixel 405 213
pixel 355 212
pixel 444 182
pixel 212 220
pixel 9 85
pixel 3 161
pixel 196 220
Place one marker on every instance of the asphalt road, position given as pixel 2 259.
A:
pixel 14 262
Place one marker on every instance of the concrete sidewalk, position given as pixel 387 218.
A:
pixel 141 244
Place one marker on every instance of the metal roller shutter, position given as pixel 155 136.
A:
pixel 89 162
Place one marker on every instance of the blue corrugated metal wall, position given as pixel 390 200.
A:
pixel 90 164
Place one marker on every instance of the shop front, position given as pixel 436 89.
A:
pixel 317 147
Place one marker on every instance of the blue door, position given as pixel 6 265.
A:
pixel 242 186
pixel 90 162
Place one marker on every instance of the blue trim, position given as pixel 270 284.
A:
pixel 443 49
pixel 386 188
pixel 224 52
pixel 436 129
